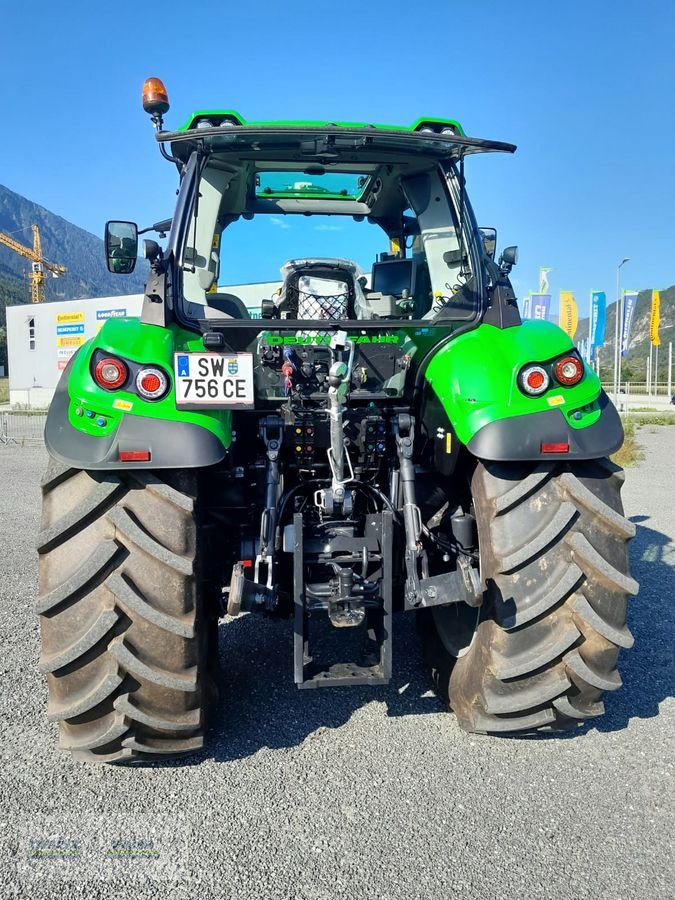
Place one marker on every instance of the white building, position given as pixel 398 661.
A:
pixel 42 338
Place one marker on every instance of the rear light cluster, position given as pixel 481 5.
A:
pixel 112 374
pixel 151 383
pixel 569 370
pixel 536 379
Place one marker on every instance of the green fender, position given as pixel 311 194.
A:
pixel 88 426
pixel 474 376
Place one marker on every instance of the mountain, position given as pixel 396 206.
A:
pixel 634 364
pixel 62 242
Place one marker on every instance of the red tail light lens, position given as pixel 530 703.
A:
pixel 134 456
pixel 110 373
pixel 569 370
pixel 554 448
pixel 151 383
pixel 534 380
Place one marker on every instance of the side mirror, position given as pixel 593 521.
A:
pixel 508 259
pixel 489 236
pixel 121 246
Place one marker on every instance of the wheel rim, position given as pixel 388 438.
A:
pixel 456 625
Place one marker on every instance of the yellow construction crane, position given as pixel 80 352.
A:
pixel 38 263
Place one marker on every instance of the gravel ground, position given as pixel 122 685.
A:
pixel 346 792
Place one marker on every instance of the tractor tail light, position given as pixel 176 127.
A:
pixel 554 448
pixel 151 383
pixel 110 373
pixel 569 370
pixel 134 456
pixel 534 380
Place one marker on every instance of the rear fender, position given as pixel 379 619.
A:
pixel 474 377
pixel 87 426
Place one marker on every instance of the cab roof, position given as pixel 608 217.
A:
pixel 219 117
pixel 226 133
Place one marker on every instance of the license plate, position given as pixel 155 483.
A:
pixel 214 379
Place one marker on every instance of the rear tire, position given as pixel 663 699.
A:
pixel 122 619
pixel 554 567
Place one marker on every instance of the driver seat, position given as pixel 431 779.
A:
pixel 229 304
pixel 319 288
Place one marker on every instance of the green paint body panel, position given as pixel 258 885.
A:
pixel 142 343
pixel 240 120
pixel 475 377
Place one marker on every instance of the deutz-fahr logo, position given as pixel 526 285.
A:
pixel 325 339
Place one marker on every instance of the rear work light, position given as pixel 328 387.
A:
pixel 110 373
pixel 534 380
pixel 151 383
pixel 569 370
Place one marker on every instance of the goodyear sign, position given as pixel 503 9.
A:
pixel 102 314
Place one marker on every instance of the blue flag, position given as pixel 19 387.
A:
pixel 598 318
pixel 540 306
pixel 629 301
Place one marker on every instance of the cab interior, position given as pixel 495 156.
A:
pixel 424 271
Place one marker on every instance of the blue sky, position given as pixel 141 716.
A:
pixel 584 88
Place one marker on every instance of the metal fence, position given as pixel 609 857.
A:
pixel 22 428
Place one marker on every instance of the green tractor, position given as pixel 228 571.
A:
pixel 382 437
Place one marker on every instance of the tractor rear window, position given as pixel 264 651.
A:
pixel 311 184
pixel 262 232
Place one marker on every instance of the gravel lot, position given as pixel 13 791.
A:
pixel 346 792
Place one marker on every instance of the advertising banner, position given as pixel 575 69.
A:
pixel 69 318
pixel 110 314
pixel 540 306
pixel 569 313
pixel 598 319
pixel 70 341
pixel 655 319
pixel 629 301
pixel 543 280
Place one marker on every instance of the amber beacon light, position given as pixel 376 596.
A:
pixel 155 100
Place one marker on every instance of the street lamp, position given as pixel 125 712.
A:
pixel 618 332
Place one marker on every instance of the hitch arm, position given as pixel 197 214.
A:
pixel 271 432
pixel 416 561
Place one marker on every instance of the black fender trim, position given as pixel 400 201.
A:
pixel 520 437
pixel 172 445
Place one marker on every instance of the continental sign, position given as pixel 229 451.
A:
pixel 69 318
